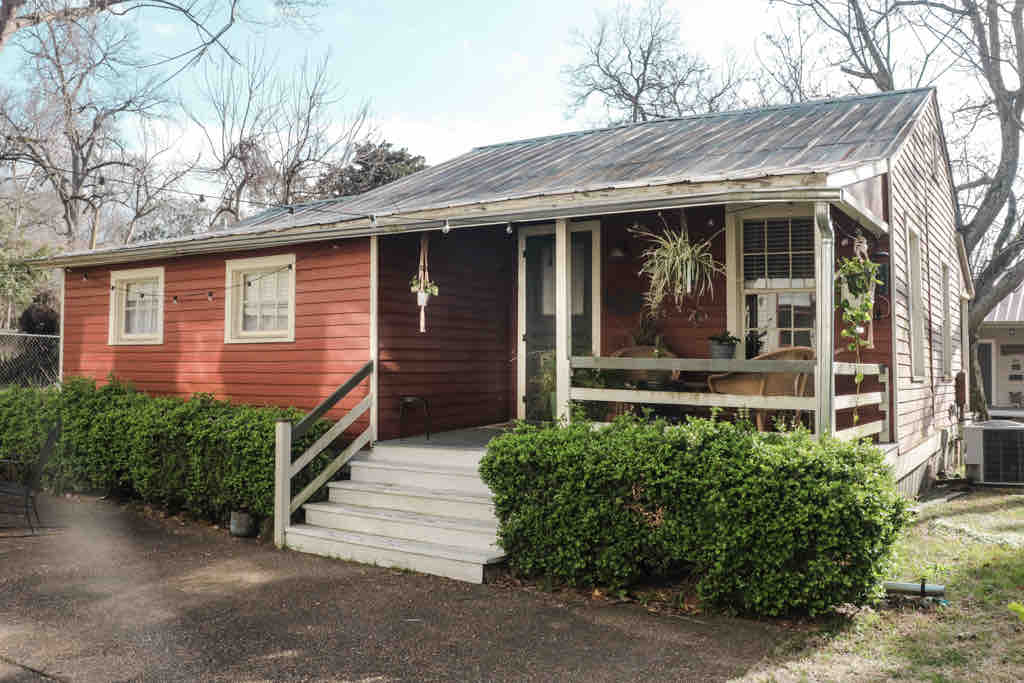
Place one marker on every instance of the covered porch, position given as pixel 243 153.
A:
pixel 535 318
pixel 775 294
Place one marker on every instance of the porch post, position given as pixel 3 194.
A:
pixel 563 322
pixel 282 480
pixel 824 386
pixel 374 339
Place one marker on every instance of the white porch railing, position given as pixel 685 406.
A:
pixel 285 469
pixel 709 399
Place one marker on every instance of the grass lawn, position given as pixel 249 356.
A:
pixel 975 546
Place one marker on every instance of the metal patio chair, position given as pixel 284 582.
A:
pixel 20 495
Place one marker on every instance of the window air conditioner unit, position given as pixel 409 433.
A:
pixel 994 452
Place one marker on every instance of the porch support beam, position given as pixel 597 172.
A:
pixel 563 322
pixel 824 385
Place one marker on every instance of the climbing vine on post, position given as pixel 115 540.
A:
pixel 856 279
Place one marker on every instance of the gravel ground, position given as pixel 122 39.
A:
pixel 108 593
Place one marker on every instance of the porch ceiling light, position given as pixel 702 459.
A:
pixel 620 252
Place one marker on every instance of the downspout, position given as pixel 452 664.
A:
pixel 824 415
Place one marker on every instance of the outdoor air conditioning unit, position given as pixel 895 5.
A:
pixel 994 452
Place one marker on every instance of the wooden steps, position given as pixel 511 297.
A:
pixel 411 506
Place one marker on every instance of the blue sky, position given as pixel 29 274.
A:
pixel 443 77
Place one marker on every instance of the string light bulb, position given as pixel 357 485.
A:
pixel 447 228
pixel 209 296
pixel 175 298
pixel 508 228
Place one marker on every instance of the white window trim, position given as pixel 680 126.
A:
pixel 233 270
pixel 736 311
pixel 947 322
pixel 116 335
pixel 917 346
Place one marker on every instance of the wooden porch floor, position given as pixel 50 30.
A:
pixel 470 438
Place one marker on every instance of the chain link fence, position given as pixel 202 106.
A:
pixel 29 360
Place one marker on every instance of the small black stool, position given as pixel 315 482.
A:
pixel 405 402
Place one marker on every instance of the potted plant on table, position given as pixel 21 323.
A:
pixel 723 345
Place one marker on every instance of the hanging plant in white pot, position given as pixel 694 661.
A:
pixel 421 284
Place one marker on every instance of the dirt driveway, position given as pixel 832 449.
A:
pixel 115 595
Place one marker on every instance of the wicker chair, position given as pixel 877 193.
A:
pixel 767 383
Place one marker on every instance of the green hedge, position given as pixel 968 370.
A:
pixel 769 523
pixel 201 455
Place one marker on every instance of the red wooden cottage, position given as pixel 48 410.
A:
pixel 529 244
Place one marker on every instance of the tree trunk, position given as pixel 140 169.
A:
pixel 978 401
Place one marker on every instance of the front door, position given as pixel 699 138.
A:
pixel 536 357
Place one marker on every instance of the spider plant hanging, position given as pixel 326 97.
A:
pixel 676 267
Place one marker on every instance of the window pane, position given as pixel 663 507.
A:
pixel 250 317
pixel 140 307
pixel 282 286
pixel 777 235
pixel 802 338
pixel 802 234
pixel 785 338
pixel 778 270
pixel 785 316
pixel 131 321
pixel 803 266
pixel 753 236
pixel 753 270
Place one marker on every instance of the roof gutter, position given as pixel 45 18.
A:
pixel 464 217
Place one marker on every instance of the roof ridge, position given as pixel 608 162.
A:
pixel 695 117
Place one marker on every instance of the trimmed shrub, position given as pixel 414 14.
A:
pixel 769 523
pixel 202 455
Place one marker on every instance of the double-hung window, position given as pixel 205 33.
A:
pixel 260 300
pixel 778 281
pixel 136 307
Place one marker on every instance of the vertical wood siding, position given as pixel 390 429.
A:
pixel 465 363
pixel 922 200
pixel 332 315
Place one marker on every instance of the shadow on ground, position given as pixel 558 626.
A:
pixel 117 595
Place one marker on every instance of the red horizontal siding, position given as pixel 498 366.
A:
pixel 332 329
pixel 464 364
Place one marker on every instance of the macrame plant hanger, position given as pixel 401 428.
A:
pixel 424 278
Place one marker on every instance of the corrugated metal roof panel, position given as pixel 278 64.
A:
pixel 813 137
pixel 1009 310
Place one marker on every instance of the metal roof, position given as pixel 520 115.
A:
pixel 1009 310
pixel 823 136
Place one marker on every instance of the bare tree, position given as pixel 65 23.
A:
pixel 634 62
pixel 65 124
pixel 792 66
pixel 144 185
pixel 210 19
pixel 982 43
pixel 270 138
pixel 245 111
pixel 308 137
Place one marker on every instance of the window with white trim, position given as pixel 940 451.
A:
pixel 136 307
pixel 916 305
pixel 259 302
pixel 947 324
pixel 778 281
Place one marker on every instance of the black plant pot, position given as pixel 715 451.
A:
pixel 723 350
